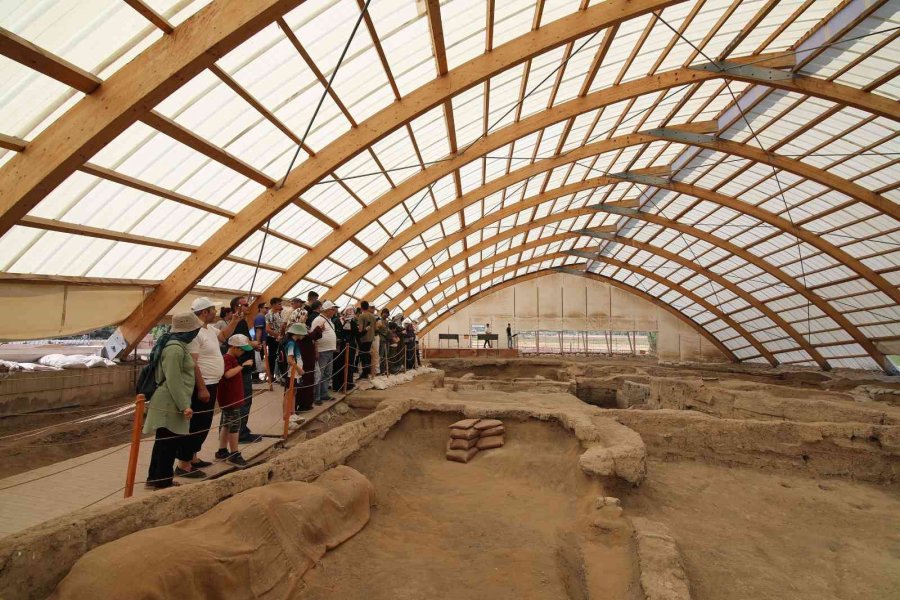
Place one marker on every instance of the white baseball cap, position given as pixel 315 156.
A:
pixel 202 303
pixel 328 305
pixel 241 341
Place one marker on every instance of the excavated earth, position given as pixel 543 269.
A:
pixel 619 479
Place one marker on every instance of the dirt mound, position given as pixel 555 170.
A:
pixel 256 544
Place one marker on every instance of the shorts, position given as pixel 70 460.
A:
pixel 231 419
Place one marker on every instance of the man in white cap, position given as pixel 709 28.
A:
pixel 208 369
pixel 326 345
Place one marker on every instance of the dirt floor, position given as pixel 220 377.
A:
pixel 512 524
pixel 746 535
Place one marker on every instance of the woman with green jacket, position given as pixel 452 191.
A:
pixel 169 413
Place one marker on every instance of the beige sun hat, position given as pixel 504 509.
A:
pixel 184 322
pixel 298 329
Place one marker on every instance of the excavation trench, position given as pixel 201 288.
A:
pixel 515 522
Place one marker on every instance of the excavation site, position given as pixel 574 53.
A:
pixel 450 299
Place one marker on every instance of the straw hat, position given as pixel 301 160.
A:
pixel 184 322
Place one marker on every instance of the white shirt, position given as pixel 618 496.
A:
pixel 328 341
pixel 209 356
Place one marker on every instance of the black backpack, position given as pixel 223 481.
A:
pixel 146 381
pixel 281 364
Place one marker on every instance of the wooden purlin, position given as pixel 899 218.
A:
pixel 24 52
pixel 617 284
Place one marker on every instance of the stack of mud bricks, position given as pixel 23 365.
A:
pixel 469 436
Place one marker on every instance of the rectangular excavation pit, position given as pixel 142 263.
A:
pixel 513 523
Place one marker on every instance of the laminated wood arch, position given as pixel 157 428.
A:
pixel 656 251
pixel 404 237
pixel 573 108
pixel 617 284
pixel 310 171
pixel 725 245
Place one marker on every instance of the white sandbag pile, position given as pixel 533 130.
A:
pixel 383 382
pixel 469 436
pixel 9 366
pixel 75 361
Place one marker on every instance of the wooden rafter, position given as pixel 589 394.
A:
pixel 24 52
pixel 169 127
pixel 151 15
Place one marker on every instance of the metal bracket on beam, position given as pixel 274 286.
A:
pixel 603 235
pixel 641 178
pixel 747 71
pixel 583 254
pixel 685 137
pixel 614 209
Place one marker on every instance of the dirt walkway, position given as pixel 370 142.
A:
pixel 512 524
pixel 746 535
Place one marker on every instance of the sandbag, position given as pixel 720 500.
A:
pixel 257 544
pixel 488 424
pixel 486 443
pixel 461 444
pixel 465 424
pixel 462 456
pixel 498 430
pixel 464 434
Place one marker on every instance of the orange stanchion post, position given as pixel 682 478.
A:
pixel 346 365
pixel 288 401
pixel 135 444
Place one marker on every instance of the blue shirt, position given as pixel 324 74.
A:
pixel 259 322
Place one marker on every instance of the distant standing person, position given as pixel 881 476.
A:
pixel 240 305
pixel 367 324
pixel 508 335
pixel 326 345
pixel 487 340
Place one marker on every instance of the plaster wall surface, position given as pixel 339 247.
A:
pixel 566 302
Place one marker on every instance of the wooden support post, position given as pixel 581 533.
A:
pixel 347 365
pixel 288 401
pixel 265 358
pixel 135 444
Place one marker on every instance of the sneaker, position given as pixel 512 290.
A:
pixel 221 453
pixel 318 402
pixel 237 460
pixel 195 474
pixel 201 464
pixel 295 418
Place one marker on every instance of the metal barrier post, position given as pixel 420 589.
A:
pixel 265 357
pixel 135 444
pixel 347 365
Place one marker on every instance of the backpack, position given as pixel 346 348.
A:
pixel 146 381
pixel 281 364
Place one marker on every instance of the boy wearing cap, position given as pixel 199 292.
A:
pixel 231 399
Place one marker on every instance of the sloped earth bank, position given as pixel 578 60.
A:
pixel 747 535
pixel 515 523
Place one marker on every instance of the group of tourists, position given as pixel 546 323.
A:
pixel 208 357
